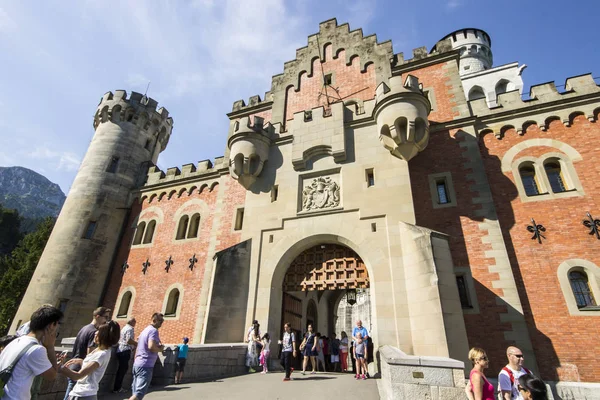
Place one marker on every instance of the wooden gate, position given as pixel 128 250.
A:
pixel 326 267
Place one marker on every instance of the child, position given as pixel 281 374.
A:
pixel 360 354
pixel 182 351
pixel 265 353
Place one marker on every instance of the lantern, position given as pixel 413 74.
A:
pixel 351 296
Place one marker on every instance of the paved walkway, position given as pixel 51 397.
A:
pixel 270 387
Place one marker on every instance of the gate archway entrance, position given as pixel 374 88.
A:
pixel 315 289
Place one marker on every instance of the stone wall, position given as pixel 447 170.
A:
pixel 204 362
pixel 414 377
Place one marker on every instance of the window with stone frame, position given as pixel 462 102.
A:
pixel 463 292
pixel 172 303
pixel 555 177
pixel 529 180
pixel 581 289
pixel 125 304
pixel 149 235
pixel 182 227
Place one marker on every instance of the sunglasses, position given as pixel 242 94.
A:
pixel 521 388
pixel 484 358
pixel 518 355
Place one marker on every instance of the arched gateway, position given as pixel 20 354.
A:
pixel 315 283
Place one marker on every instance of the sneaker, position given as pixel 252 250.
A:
pixel 303 373
pixel 251 370
pixel 356 377
pixel 287 379
pixel 364 377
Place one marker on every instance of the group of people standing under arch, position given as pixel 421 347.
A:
pixel 324 353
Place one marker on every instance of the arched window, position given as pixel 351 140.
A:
pixel 172 303
pixel 139 233
pixel 125 303
pixel 194 225
pixel 581 289
pixel 527 173
pixel 475 93
pixel 555 176
pixel 402 128
pixel 150 232
pixel 501 87
pixel 182 228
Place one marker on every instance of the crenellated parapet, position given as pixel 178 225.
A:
pixel 138 110
pixel 316 132
pixel 546 104
pixel 401 112
pixel 337 38
pixel 205 169
pixel 249 145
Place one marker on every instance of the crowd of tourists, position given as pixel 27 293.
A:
pixel 322 353
pixel 515 382
pixel 29 356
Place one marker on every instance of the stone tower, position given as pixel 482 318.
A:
pixel 475 49
pixel 129 135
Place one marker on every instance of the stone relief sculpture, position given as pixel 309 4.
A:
pixel 321 193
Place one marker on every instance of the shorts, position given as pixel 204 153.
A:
pixel 180 365
pixel 335 359
pixel 142 376
pixel 359 356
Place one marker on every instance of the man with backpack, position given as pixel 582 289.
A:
pixel 30 355
pixel 508 378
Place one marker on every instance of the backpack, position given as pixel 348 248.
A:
pixel 6 373
pixel 512 379
pixel 335 347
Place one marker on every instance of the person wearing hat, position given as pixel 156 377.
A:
pixel 182 351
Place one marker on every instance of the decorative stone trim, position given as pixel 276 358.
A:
pixel 507 159
pixel 433 180
pixel 593 274
pixel 175 317
pixel 466 272
pixel 571 180
pixel 120 299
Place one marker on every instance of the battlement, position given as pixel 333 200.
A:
pixel 335 38
pixel 581 92
pixel 204 169
pixel 257 125
pixel 139 110
pixel 253 102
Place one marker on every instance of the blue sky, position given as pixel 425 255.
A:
pixel 59 57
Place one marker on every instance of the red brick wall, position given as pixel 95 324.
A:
pixel 348 79
pixel 438 78
pixel 561 341
pixel 443 154
pixel 151 288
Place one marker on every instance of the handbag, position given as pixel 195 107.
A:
pixel 6 373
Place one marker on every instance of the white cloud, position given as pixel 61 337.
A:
pixel 60 160
pixel 453 4
pixel 7 24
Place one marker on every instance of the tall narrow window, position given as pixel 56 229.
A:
pixel 274 193
pixel 463 292
pixel 328 79
pixel 194 225
pixel 239 219
pixel 172 303
pixel 113 165
pixel 150 232
pixel 89 232
pixel 139 233
pixel 581 289
pixel 442 191
pixel 555 177
pixel 529 181
pixel 182 227
pixel 124 306
pixel 370 177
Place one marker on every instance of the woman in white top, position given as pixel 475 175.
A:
pixel 94 365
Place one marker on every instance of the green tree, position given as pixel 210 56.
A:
pixel 10 226
pixel 18 269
